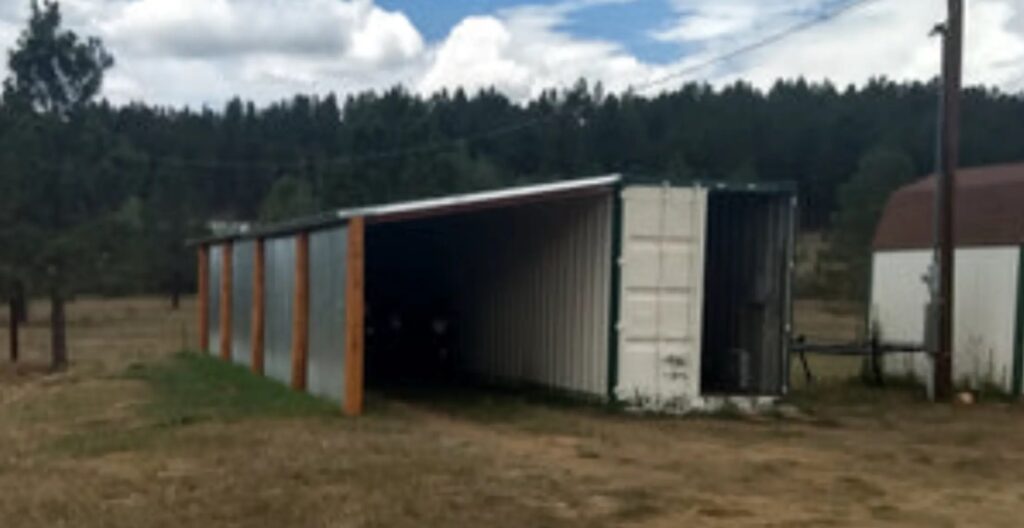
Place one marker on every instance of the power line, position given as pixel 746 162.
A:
pixel 398 152
pixel 447 144
pixel 747 48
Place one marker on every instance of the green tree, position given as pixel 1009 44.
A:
pixel 861 200
pixel 288 197
pixel 54 77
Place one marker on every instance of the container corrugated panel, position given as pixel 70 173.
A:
pixel 279 289
pixel 241 301
pixel 661 296
pixel 216 268
pixel 536 286
pixel 328 250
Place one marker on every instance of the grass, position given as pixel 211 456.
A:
pixel 192 387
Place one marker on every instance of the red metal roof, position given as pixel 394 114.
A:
pixel 989 210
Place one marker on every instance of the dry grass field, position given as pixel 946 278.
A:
pixel 134 435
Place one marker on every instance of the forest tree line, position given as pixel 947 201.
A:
pixel 122 186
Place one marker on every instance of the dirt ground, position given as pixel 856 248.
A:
pixel 81 449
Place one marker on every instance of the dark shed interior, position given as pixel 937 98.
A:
pixel 746 284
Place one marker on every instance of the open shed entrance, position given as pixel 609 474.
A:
pixel 746 299
pixel 511 293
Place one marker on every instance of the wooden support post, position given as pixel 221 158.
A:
pixel 354 313
pixel 204 298
pixel 258 312
pixel 300 319
pixel 225 300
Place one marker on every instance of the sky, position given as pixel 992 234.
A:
pixel 203 52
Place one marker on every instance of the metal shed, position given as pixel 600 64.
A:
pixel 988 329
pixel 659 296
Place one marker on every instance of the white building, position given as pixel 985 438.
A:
pixel 989 283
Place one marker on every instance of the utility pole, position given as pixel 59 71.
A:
pixel 949 157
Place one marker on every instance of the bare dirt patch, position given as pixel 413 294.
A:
pixel 105 445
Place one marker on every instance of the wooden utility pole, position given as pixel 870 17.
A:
pixel 952 59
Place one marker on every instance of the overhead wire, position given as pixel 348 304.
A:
pixel 820 19
pixel 447 144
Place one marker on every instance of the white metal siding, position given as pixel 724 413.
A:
pixel 279 289
pixel 242 261
pixel 326 360
pixel 985 311
pixel 661 296
pixel 213 316
pixel 535 284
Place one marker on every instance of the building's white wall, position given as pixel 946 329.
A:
pixel 985 311
pixel 661 296
pixel 534 287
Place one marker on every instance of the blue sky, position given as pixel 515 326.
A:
pixel 627 23
pixel 203 52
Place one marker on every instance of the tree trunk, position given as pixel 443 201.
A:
pixel 13 327
pixel 58 329
pixel 175 291
pixel 19 304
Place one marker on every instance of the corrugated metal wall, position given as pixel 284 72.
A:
pixel 661 296
pixel 241 301
pixel 327 269
pixel 279 288
pixel 535 290
pixel 216 271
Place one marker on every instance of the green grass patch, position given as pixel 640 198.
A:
pixel 192 388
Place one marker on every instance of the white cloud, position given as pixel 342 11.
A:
pixel 883 38
pixel 522 52
pixel 212 28
pixel 205 51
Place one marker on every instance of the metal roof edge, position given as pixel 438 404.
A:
pixel 781 187
pixel 342 216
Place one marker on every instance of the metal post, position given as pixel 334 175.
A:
pixel 951 59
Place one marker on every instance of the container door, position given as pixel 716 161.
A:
pixel 661 296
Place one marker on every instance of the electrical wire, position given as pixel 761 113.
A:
pixel 753 46
pixel 447 144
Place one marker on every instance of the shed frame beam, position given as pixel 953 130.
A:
pixel 258 306
pixel 354 318
pixel 300 314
